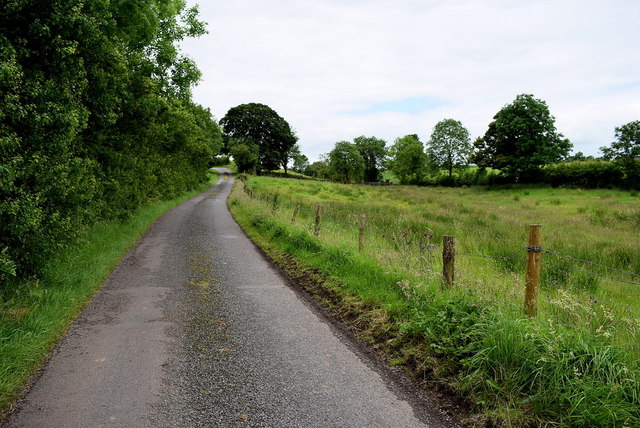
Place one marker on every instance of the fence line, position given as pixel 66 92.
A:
pixel 593 274
pixel 591 263
pixel 534 248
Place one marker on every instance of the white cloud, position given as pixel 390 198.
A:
pixel 314 62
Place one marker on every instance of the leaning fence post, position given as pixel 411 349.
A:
pixel 448 259
pixel 362 224
pixel 296 210
pixel 316 230
pixel 532 274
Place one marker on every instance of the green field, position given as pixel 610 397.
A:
pixel 476 337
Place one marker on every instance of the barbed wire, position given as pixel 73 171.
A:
pixel 522 259
pixel 592 273
pixel 589 262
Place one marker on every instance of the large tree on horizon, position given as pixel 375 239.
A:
pixel 346 162
pixel 258 125
pixel 521 140
pixel 450 145
pixel 373 151
pixel 407 159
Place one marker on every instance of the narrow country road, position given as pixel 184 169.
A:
pixel 195 328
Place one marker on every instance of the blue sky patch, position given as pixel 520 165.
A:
pixel 407 105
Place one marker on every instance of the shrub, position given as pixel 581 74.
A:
pixel 585 174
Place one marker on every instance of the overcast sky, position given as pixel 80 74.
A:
pixel 338 69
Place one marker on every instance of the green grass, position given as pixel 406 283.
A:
pixel 34 314
pixel 575 365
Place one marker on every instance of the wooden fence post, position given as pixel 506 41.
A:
pixel 316 229
pixel 296 210
pixel 448 260
pixel 362 224
pixel 532 274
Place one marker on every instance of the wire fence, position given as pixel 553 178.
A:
pixel 560 296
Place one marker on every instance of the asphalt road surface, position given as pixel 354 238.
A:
pixel 195 328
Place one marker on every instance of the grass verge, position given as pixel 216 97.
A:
pixel 510 371
pixel 34 314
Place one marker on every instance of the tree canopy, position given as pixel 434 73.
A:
pixel 627 144
pixel 300 161
pixel 259 125
pixel 407 159
pixel 450 145
pixel 521 140
pixel 346 162
pixel 373 151
pixel 625 151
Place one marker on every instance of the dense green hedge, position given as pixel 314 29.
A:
pixel 595 173
pixel 96 118
pixel 587 174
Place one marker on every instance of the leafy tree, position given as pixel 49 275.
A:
pixel 373 151
pixel 261 126
pixel 627 144
pixel 521 140
pixel 300 161
pixel 318 169
pixel 346 163
pixel 245 155
pixel 407 159
pixel 578 156
pixel 626 152
pixel 450 146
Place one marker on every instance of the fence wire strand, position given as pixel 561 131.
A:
pixel 589 262
pixel 600 275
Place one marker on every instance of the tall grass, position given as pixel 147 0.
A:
pixel 34 314
pixel 475 337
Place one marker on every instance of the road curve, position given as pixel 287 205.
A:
pixel 195 328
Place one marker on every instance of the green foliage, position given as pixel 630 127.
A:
pixel 220 160
pixel 627 144
pixel 373 151
pixel 469 176
pixel 319 169
pixel 450 146
pixel 260 126
pixel 585 174
pixel 407 159
pixel 96 118
pixel 521 140
pixel 346 162
pixel 7 266
pixel 245 157
pixel 625 151
pixel 300 161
